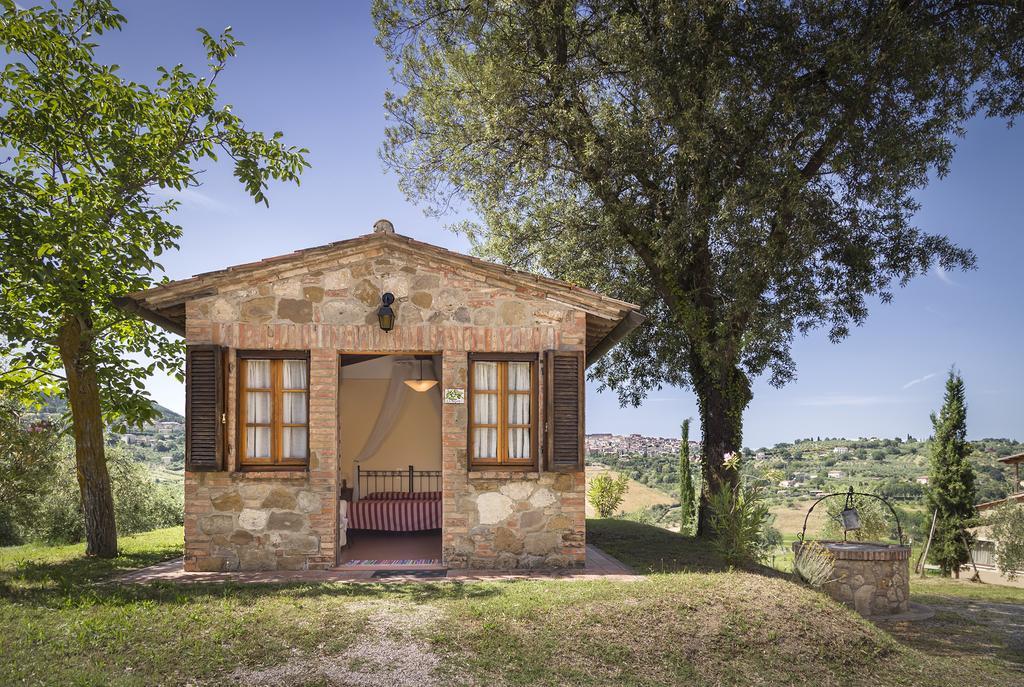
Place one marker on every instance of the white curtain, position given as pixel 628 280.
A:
pixel 259 403
pixel 296 384
pixel 257 408
pixel 485 409
pixel 519 410
pixel 402 370
pixel 342 523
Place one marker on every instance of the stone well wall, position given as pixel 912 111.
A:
pixel 268 520
pixel 873 579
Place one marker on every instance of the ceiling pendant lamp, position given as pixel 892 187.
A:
pixel 421 384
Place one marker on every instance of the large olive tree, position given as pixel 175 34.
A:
pixel 80 225
pixel 744 171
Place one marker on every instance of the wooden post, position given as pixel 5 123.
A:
pixel 924 555
pixel 977 576
pixel 410 479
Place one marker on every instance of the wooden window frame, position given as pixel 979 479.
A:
pixel 502 461
pixel 274 462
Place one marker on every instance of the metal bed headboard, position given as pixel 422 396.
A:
pixel 409 480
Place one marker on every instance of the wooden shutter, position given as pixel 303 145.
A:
pixel 564 410
pixel 204 408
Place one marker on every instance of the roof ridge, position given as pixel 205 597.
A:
pixel 410 243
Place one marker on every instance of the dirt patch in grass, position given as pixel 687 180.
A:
pixel 387 653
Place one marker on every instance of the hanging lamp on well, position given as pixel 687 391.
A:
pixel 422 383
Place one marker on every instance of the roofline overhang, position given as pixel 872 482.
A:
pixel 627 324
pixel 130 305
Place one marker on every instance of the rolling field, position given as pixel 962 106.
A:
pixel 638 495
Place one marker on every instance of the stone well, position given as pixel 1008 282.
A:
pixel 874 579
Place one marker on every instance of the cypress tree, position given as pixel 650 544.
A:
pixel 951 485
pixel 686 492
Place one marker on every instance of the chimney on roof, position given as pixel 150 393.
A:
pixel 383 226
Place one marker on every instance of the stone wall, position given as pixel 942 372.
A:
pixel 251 524
pixel 268 520
pixel 531 520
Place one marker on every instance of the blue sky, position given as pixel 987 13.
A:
pixel 313 71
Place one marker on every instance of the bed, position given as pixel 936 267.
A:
pixel 395 501
pixel 396 511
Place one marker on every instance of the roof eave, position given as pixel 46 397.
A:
pixel 130 305
pixel 627 324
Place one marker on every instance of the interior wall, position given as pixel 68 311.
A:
pixel 415 440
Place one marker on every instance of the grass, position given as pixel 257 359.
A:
pixel 934 587
pixel 649 549
pixel 790 519
pixel 41 565
pixel 706 624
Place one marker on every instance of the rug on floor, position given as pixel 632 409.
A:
pixel 376 562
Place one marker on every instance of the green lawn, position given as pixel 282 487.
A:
pixel 63 626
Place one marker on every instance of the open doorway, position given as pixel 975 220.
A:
pixel 390 461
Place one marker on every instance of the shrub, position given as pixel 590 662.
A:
pixel 644 516
pixel 26 468
pixel 738 517
pixel 813 564
pixel 1008 530
pixel 605 494
pixel 139 503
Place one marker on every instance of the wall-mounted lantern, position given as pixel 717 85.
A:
pixel 385 315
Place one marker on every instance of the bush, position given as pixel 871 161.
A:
pixel 644 516
pixel 813 564
pixel 140 504
pixel 1008 530
pixel 26 468
pixel 738 517
pixel 605 494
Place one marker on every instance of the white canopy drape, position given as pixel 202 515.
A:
pixel 403 369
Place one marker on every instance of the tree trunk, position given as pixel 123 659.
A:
pixel 722 398
pixel 83 393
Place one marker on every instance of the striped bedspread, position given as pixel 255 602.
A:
pixel 396 512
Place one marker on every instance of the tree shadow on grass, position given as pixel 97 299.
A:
pixel 79 581
pixel 78 571
pixel 966 627
pixel 647 549
pixel 652 550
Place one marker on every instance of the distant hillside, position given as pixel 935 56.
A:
pixel 801 468
pixel 56 405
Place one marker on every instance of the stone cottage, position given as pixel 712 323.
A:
pixel 382 384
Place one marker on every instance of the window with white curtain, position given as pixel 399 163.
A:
pixel 502 414
pixel 274 408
